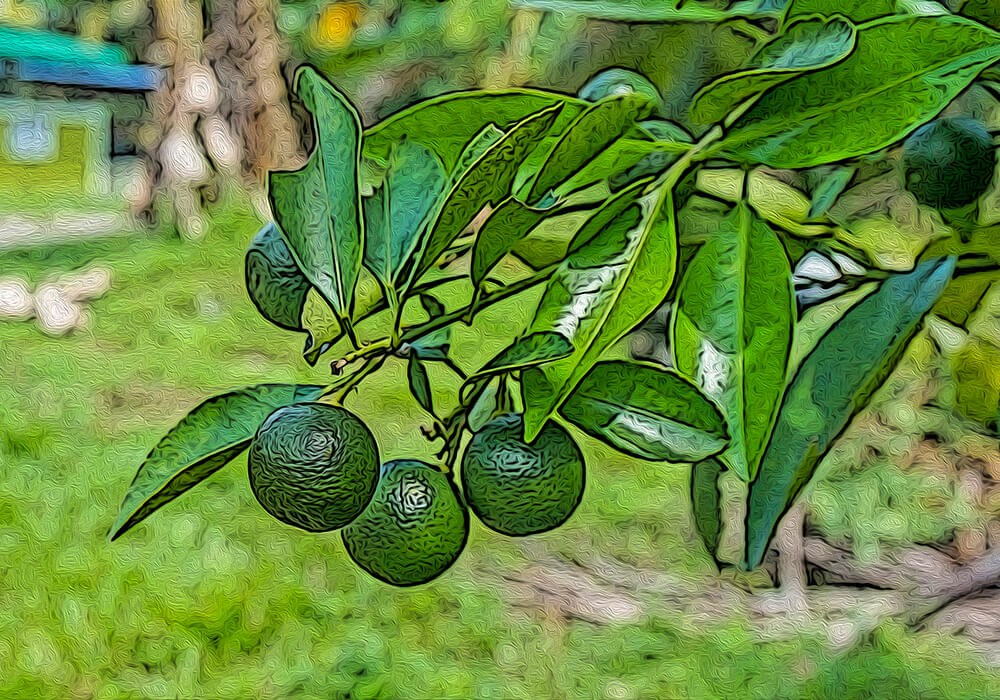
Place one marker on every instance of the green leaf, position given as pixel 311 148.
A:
pixel 589 134
pixel 665 130
pixel 832 384
pixel 805 45
pixel 620 268
pixel 985 11
pixel 487 181
pixel 395 215
pixel 433 346
pixel 857 11
pixel 274 282
pixel 484 404
pixel 619 81
pixel 732 332
pixel 202 443
pixel 474 150
pixel 706 502
pixel 507 225
pixel 627 160
pixel 531 350
pixel 420 385
pixel 835 181
pixel 904 70
pixel 448 123
pixel 432 306
pixel 646 412
pixel 318 208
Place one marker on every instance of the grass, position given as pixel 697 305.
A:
pixel 210 597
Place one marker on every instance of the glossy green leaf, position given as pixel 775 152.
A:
pixel 507 225
pixel 396 214
pixel 447 124
pixel 474 150
pixel 274 281
pixel 831 385
pixel 903 71
pixel 318 208
pixel 665 130
pixel 623 162
pixel 487 181
pixel 646 412
pixel 706 502
pixel 732 333
pixel 626 161
pixel 484 404
pixel 434 346
pixel 420 385
pixel 611 82
pixel 533 349
pixel 620 268
pixel 432 306
pixel 806 45
pixel 204 441
pixel 857 11
pixel 590 133
pixel 835 181
pixel 985 11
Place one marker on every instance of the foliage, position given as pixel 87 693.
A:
pixel 462 182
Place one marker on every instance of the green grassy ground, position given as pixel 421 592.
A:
pixel 210 597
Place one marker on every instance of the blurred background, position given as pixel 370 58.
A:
pixel 135 138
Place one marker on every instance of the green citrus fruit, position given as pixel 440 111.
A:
pixel 949 163
pixel 314 466
pixel 520 489
pixel 414 528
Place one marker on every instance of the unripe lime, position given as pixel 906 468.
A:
pixel 949 162
pixel 520 489
pixel 314 466
pixel 414 528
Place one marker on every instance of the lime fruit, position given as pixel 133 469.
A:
pixel 414 528
pixel 313 465
pixel 949 162
pixel 520 489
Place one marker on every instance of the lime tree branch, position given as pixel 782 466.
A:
pixel 385 346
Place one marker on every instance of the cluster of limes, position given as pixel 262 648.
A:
pixel 316 466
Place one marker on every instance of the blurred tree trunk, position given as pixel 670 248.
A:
pixel 247 53
pixel 222 114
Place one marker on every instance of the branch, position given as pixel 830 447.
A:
pixel 416 332
pixel 983 572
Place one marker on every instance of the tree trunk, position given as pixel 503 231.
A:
pixel 222 114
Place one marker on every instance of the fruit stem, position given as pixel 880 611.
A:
pixel 342 390
pixel 413 333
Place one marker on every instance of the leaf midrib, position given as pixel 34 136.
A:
pixel 741 317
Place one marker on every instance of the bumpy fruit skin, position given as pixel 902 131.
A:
pixel 519 489
pixel 949 163
pixel 314 466
pixel 414 528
